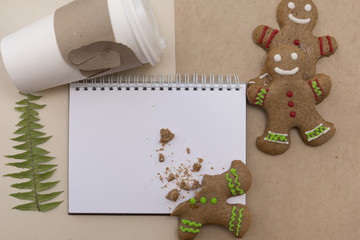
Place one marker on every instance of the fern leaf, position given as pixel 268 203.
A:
pixel 33 158
pixel 47 197
pixel 24 185
pixel 29 125
pixel 43 176
pixel 39 151
pixel 27 155
pixel 43 167
pixel 26 121
pixel 29 113
pixel 39 186
pixel 24 195
pixel 45 186
pixel 24 164
pixel 21 175
pixel 49 206
pixel 27 207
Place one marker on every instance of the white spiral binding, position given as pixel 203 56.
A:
pixel 161 82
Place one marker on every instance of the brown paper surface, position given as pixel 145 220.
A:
pixel 86 39
pixel 308 192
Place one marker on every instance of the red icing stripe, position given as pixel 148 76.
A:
pixel 263 34
pixel 319 86
pixel 267 91
pixel 330 44
pixel 316 97
pixel 321 46
pixel 271 37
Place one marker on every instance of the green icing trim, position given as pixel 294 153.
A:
pixel 231 186
pixel 260 97
pixel 213 201
pixel 317 132
pixel 203 200
pixel 190 230
pixel 317 89
pixel 232 219
pixel 193 201
pixel 190 223
pixel 277 138
pixel 233 171
pixel 239 222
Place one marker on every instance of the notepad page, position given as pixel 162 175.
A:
pixel 114 145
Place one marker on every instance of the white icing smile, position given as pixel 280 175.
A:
pixel 286 72
pixel 299 20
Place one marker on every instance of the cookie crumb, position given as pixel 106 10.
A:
pixel 196 184
pixel 212 168
pixel 161 157
pixel 188 150
pixel 200 160
pixel 173 195
pixel 166 136
pixel 196 167
pixel 171 177
pixel 185 186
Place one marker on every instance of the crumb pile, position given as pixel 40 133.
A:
pixel 181 175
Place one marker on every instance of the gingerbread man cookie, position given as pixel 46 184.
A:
pixel 210 207
pixel 290 101
pixel 297 19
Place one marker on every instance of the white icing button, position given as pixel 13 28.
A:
pixel 291 5
pixel 277 58
pixel 308 7
pixel 294 56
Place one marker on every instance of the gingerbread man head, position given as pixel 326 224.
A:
pixel 297 13
pixel 284 61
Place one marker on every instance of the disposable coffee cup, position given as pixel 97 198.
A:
pixel 83 39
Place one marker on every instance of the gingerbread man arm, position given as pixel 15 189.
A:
pixel 321 86
pixel 263 36
pixel 256 94
pixel 328 46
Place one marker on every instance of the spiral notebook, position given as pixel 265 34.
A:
pixel 114 133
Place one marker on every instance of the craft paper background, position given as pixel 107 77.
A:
pixel 306 193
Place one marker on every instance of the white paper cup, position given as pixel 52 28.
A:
pixel 34 61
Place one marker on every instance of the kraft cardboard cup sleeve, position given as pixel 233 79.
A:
pixel 83 39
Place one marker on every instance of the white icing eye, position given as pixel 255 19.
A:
pixel 294 56
pixel 291 5
pixel 277 58
pixel 308 7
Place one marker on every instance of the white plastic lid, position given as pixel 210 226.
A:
pixel 145 29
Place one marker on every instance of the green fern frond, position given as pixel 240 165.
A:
pixel 33 160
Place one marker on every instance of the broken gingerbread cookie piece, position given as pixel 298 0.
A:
pixel 166 136
pixel 185 186
pixel 209 205
pixel 173 195
pixel 196 167
pixel 161 157
pixel 171 177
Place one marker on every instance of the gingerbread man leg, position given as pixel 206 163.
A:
pixel 316 132
pixel 275 140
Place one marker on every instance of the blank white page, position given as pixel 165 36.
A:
pixel 114 135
